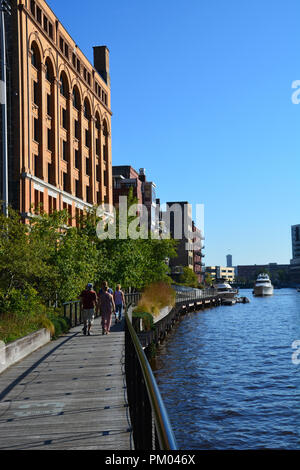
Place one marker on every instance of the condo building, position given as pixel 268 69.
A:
pixel 59 116
pixel 295 261
pixel 221 272
pixel 126 178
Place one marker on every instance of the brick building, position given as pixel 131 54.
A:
pixel 59 117
pixel 125 178
pixel 249 273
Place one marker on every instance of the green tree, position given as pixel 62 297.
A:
pixel 208 279
pixel 188 278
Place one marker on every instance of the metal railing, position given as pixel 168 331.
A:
pixel 149 419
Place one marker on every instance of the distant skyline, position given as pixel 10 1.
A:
pixel 201 98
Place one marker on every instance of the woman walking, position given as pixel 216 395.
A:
pixel 119 299
pixel 107 307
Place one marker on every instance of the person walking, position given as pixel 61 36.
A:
pixel 88 299
pixel 107 307
pixel 119 299
pixel 101 291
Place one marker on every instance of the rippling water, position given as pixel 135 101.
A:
pixel 227 377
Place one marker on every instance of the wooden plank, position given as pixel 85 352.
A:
pixel 70 394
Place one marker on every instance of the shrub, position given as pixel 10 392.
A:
pixel 155 297
pixel 147 320
pixel 61 324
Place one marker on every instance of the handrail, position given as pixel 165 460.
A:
pixel 164 430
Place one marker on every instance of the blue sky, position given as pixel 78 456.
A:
pixel 201 96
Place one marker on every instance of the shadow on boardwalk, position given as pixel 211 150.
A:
pixel 70 394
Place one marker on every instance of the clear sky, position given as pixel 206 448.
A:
pixel 201 96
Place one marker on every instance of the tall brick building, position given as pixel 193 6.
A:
pixel 59 117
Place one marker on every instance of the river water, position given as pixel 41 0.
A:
pixel 227 377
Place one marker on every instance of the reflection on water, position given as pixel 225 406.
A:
pixel 227 377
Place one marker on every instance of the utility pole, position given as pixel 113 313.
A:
pixel 4 8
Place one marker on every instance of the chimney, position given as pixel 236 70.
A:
pixel 142 175
pixel 101 62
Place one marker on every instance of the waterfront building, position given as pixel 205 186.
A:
pixel 59 116
pixel 295 261
pixel 229 261
pixel 221 272
pixel 125 178
pixel 180 227
pixel 249 273
pixel 198 255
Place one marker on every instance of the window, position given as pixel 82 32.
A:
pixel 78 65
pixel 87 166
pixel 39 14
pixel 97 173
pixel 67 51
pixel 64 118
pixel 50 30
pixel 64 149
pixel 75 99
pixel 97 147
pixel 86 110
pixel 76 159
pixel 74 59
pixel 77 188
pixel 48 104
pixel 89 78
pixel 34 60
pixel 87 194
pixel 61 44
pixel 35 162
pixel 87 138
pixel 48 72
pixel 63 86
pixel 65 176
pixel 36 129
pixel 46 24
pixel 32 7
pixel 49 138
pixel 76 129
pixel 49 172
pixel 35 93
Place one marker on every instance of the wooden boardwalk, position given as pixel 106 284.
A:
pixel 70 394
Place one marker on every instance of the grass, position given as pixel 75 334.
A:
pixel 13 326
pixel 155 297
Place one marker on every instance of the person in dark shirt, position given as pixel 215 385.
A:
pixel 88 299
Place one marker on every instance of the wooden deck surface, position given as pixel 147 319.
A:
pixel 70 394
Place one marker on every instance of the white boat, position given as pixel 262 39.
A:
pixel 263 286
pixel 224 290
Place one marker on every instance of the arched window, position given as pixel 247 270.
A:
pixel 34 61
pixel 86 109
pixel 105 142
pixel 97 133
pixel 76 98
pixel 49 71
pixel 35 56
pixel 64 88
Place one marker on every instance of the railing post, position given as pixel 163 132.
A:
pixel 76 323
